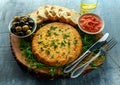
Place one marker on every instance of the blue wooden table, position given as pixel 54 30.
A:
pixel 11 74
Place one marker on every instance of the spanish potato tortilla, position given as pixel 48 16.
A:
pixel 57 44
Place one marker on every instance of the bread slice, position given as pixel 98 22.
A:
pixel 68 16
pixel 55 13
pixel 51 13
pixel 34 16
pixel 64 15
pixel 41 13
pixel 74 17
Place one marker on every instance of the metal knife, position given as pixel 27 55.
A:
pixel 98 44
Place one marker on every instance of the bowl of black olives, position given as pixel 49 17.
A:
pixel 22 26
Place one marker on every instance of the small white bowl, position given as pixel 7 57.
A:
pixel 88 32
pixel 33 28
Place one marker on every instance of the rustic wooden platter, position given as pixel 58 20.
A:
pixel 44 71
pixel 48 71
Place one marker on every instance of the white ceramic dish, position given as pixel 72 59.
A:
pixel 26 35
pixel 97 16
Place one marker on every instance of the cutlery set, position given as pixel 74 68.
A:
pixel 103 48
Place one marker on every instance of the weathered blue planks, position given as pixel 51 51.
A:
pixel 11 74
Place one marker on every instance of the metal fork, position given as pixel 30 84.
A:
pixel 103 50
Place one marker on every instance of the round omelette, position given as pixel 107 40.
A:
pixel 57 44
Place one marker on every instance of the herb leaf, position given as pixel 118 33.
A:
pixel 47 52
pixel 62 44
pixel 75 42
pixel 48 33
pixel 52 28
pixel 65 36
pixel 39 42
pixel 52 71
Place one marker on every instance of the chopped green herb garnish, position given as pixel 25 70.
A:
pixel 41 49
pixel 27 52
pixel 39 42
pixel 40 36
pixel 93 65
pixel 67 29
pixel 32 64
pixel 65 36
pixel 52 28
pixel 52 56
pixel 75 42
pixel 45 45
pixel 48 33
pixel 81 64
pixel 103 56
pixel 52 71
pixel 56 34
pixel 39 65
pixel 23 44
pixel 55 46
pixel 47 52
pixel 62 44
pixel 59 29
pixel 40 25
pixel 68 43
pixel 65 41
pixel 52 42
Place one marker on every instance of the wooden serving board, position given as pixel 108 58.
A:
pixel 44 71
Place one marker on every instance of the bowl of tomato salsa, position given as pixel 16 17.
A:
pixel 91 23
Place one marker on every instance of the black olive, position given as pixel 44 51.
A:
pixel 31 23
pixel 13 29
pixel 26 23
pixel 22 22
pixel 20 34
pixel 31 28
pixel 16 23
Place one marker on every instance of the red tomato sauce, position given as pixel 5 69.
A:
pixel 90 23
